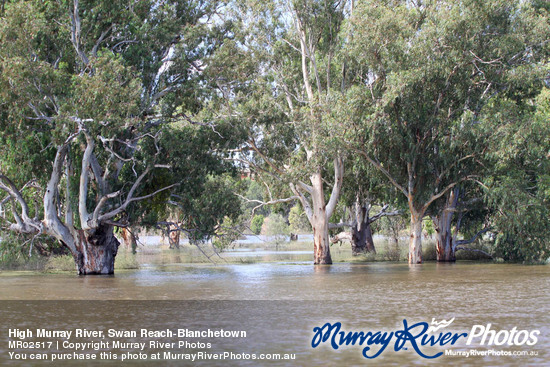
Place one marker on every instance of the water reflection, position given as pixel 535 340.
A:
pixel 373 296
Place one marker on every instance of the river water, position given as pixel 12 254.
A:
pixel 279 304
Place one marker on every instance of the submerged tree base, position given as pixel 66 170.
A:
pixel 96 251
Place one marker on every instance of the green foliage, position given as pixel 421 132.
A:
pixel 17 249
pixel 277 228
pixel 429 227
pixel 298 220
pixel 257 223
pixel 255 191
pixel 435 93
pixel 426 97
pixel 520 184
pixel 229 231
pixel 129 81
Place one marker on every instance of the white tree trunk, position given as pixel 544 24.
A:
pixel 415 242
pixel 319 222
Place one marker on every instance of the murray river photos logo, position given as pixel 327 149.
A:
pixel 418 336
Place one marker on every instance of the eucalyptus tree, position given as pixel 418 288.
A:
pixel 518 188
pixel 99 110
pixel 366 198
pixel 289 74
pixel 430 69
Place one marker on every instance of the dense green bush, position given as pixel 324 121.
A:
pixel 257 223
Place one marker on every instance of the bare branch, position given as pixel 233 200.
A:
pixel 76 34
pixel 384 213
pixel 101 203
pixel 338 179
pixel 305 202
pixel 7 185
pixel 307 188
pixel 54 226
pixel 466 242
pixel 447 188
pixel 270 202
pixel 100 40
pixel 130 197
pixel 340 225
pixel 475 250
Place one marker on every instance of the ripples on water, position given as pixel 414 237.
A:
pixel 290 298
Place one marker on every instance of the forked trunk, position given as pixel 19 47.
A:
pixel 96 250
pixel 415 242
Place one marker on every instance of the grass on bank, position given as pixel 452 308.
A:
pixel 190 254
pixel 123 260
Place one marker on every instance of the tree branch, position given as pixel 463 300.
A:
pixel 384 171
pixel 338 179
pixel 270 202
pixel 384 213
pixel 305 202
pixel 466 242
pixel 267 160
pixel 130 198
pixel 83 187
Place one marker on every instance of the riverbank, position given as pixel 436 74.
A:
pixel 251 250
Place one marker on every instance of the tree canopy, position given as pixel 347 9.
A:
pixel 117 114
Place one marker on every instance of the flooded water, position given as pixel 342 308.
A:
pixel 280 303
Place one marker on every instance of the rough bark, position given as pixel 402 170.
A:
pixel 361 239
pixel 96 250
pixel 361 231
pixel 415 242
pixel 445 246
pixel 360 236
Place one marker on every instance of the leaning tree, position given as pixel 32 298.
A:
pixel 97 100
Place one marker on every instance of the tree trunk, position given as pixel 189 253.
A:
pixel 319 222
pixel 129 240
pixel 415 242
pixel 321 244
pixel 445 248
pixel 95 251
pixel 174 237
pixel 361 239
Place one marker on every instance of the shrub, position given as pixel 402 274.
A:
pixel 298 220
pixel 277 228
pixel 257 223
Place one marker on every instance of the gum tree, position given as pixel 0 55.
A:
pixel 429 70
pixel 287 80
pixel 94 96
